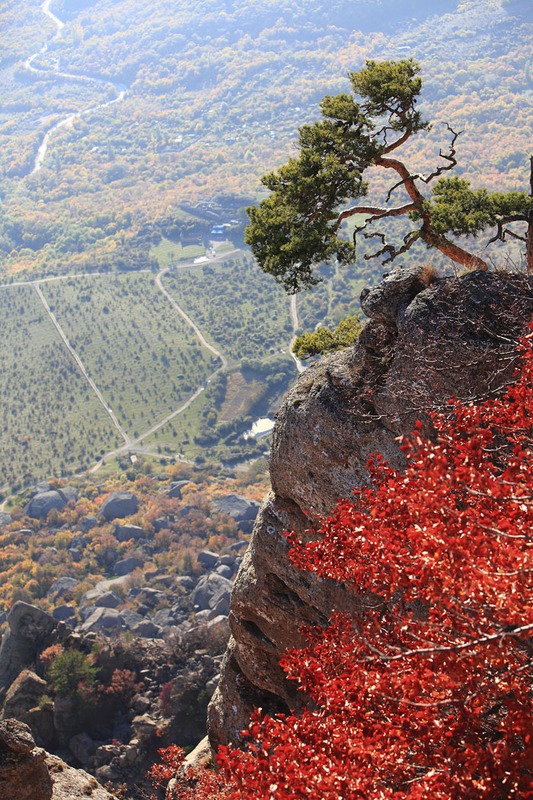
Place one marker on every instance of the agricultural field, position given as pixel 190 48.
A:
pixel 238 307
pixel 142 355
pixel 52 423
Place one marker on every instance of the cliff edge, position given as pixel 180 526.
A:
pixel 425 341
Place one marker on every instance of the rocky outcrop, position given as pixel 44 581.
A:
pixel 23 695
pixel 119 505
pixel 29 773
pixel 423 343
pixel 43 502
pixel 30 630
pixel 23 772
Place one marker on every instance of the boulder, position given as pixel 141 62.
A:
pixel 147 630
pixel 69 493
pixel 30 773
pixel 41 504
pixel 87 523
pixel 119 505
pixel 74 784
pixel 151 597
pixel 186 582
pixel 65 613
pixel 212 592
pixel 23 695
pixel 127 565
pixel 82 748
pixel 123 533
pixel 108 600
pixel 24 774
pixel 224 570
pixel 236 506
pixel 130 618
pixel 5 518
pixel 175 488
pixel 144 726
pixel 30 629
pixel 207 559
pixel 104 620
pixel 62 587
pixel 164 618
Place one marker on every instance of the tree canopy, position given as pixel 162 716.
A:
pixel 298 226
pixel 324 340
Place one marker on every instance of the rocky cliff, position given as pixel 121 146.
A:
pixel 28 772
pixel 426 339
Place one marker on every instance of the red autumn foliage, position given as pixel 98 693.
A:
pixel 427 693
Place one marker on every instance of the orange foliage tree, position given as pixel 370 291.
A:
pixel 427 693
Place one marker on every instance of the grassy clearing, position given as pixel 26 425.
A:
pixel 168 253
pixel 241 394
pixel 52 423
pixel 144 358
pixel 238 307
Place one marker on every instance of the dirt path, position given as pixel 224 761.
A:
pixel 80 363
pixel 189 321
pixel 295 324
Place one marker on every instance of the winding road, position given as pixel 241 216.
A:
pixel 130 444
pixel 119 89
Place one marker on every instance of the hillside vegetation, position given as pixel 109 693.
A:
pixel 214 93
pixel 159 122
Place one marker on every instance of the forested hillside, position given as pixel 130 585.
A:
pixel 202 99
pixel 132 136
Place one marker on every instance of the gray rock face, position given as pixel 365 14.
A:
pixel 23 694
pixel 29 628
pixel 41 504
pixel 119 505
pixel 127 565
pixel 421 345
pixel 237 507
pixel 106 620
pixel 123 533
pixel 5 518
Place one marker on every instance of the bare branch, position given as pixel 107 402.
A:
pixel 502 231
pixel 374 212
pixel 449 157
pixel 408 241
pixel 455 648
